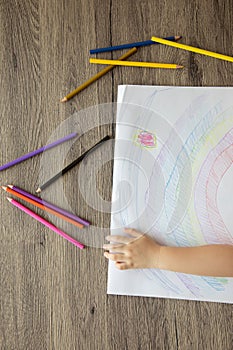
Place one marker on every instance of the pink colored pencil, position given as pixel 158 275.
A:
pixel 46 223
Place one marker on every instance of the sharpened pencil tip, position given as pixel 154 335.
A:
pixel 178 37
pixel 38 190
pixel 179 66
pixel 4 188
pixel 11 186
pixel 9 199
pixel 64 99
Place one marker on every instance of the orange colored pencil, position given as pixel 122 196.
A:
pixel 31 201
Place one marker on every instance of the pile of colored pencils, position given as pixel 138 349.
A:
pixel 171 41
pixel 42 204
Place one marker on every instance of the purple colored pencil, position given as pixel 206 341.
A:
pixel 40 150
pixel 49 205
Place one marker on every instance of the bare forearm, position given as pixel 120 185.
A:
pixel 210 260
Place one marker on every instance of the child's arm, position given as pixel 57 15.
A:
pixel 141 251
pixel 209 260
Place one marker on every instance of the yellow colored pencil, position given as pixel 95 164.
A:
pixel 135 64
pixel 97 76
pixel 192 49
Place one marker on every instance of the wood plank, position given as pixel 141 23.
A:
pixel 53 296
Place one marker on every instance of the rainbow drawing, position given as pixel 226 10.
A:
pixel 177 186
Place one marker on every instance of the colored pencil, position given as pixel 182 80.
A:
pixel 70 166
pixel 97 76
pixel 193 49
pixel 130 45
pixel 46 223
pixel 40 150
pixel 135 64
pixel 49 205
pixel 41 206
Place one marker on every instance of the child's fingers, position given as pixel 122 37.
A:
pixel 121 265
pixel 118 239
pixel 133 232
pixel 115 257
pixel 113 246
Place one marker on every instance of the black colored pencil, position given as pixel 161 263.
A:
pixel 70 166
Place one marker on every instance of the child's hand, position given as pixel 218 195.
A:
pixel 138 252
pixel 142 252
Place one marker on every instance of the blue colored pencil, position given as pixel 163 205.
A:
pixel 129 46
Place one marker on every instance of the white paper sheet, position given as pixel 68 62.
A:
pixel 173 171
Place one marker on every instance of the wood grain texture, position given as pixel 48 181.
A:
pixel 52 295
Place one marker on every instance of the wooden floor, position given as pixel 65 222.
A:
pixel 53 295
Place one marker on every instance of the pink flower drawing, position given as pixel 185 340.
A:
pixel 146 139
